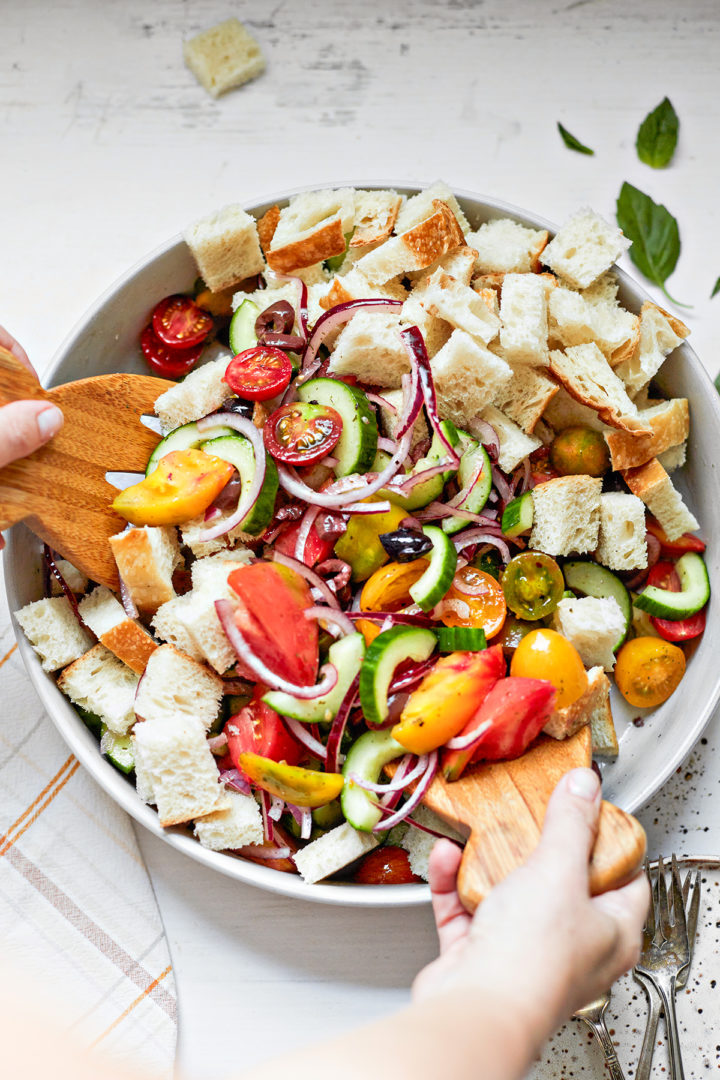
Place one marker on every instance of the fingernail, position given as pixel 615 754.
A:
pixel 49 422
pixel 583 783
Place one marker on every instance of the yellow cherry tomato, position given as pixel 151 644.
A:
pixel 389 587
pixel 474 599
pixel 648 670
pixel 301 787
pixel 182 486
pixel 360 544
pixel 545 654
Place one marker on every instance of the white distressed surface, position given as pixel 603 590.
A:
pixel 109 146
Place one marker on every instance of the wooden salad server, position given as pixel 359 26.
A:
pixel 500 807
pixel 60 491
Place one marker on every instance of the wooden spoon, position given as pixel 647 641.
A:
pixel 60 491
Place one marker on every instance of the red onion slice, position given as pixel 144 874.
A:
pixel 331 615
pixel 456 500
pixel 417 795
pixel 127 601
pixel 396 618
pixel 338 316
pixel 435 511
pixel 427 829
pixel 306 525
pixel 395 784
pixel 488 436
pixel 268 828
pixel 260 851
pixel 415 345
pixel 503 488
pixel 464 742
pixel 408 679
pixel 67 591
pixel 527 483
pixel 412 399
pixel 406 486
pixel 244 653
pixel 276 808
pixel 383 402
pixel 388 445
pixel 482 536
pixel 303 736
pixel 310 576
pixel 217 742
pixel 248 498
pixel 235 780
pixel 337 728
pixel 341 569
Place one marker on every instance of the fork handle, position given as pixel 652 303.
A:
pixel 667 994
pixel 649 1042
pixel 603 1037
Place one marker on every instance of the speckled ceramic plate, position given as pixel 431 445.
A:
pixel 106 340
pixel 574 1053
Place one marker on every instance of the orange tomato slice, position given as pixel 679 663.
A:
pixel 474 599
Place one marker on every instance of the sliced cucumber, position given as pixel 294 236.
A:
pixel 437 579
pixel 518 515
pixel 478 495
pixel 186 437
pixel 117 749
pixel 241 332
pixel 239 452
pixel 589 579
pixel 355 452
pixel 347 656
pixel 429 489
pixel 91 721
pixel 461 639
pixel 334 263
pixel 386 652
pixel 365 759
pixel 694 591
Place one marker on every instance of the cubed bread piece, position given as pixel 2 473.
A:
pixel 526 397
pixel 674 458
pixel 53 631
pixel 176 686
pixel 668 424
pixel 375 216
pixel 563 411
pixel 200 393
pixel 106 617
pixel 178 768
pixel 593 625
pixel 192 530
pixel 584 248
pixel 170 629
pixel 621 539
pixel 225 247
pixel 587 376
pixel 652 484
pixel 459 264
pixel 523 311
pixel 506 246
pixel 223 57
pixel 311 228
pixel 370 347
pixel 660 333
pixel 594 702
pixel 419 207
pixel 605 743
pixel 419 844
pixel 566 515
pixel 266 226
pixel 515 445
pixel 146 558
pixel 415 249
pixel 238 825
pixel 199 618
pixel 460 306
pixel 576 318
pixel 332 852
pixel 467 377
pixel 214 569
pixel 74 579
pixel 436 332
pixel 390 418
pixel 355 286
pixel 100 683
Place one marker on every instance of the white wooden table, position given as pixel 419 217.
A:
pixel 109 146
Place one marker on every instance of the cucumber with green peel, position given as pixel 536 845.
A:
pixel 385 653
pixel 424 492
pixel 518 515
pixel 186 437
pixel 334 263
pixel 357 447
pixel 475 500
pixel 238 451
pixel 118 750
pixel 429 589
pixel 329 815
pixel 365 759
pixel 91 721
pixel 460 639
pixel 694 591
pixel 241 332
pixel 346 655
pixel 590 579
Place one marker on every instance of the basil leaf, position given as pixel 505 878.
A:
pixel 657 135
pixel 717 384
pixel 715 291
pixel 571 142
pixel 654 233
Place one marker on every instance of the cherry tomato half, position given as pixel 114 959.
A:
pixel 533 585
pixel 648 670
pixel 545 654
pixel 389 865
pixel 474 599
pixel 664 576
pixel 180 323
pixel 301 433
pixel 166 362
pixel 259 373
pixel 674 548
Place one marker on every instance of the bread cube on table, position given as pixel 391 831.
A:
pixel 333 852
pixel 566 515
pixel 660 333
pixel 651 483
pixel 621 537
pixel 234 827
pixel 146 557
pixel 53 631
pixel 593 625
pixel 467 377
pixel 125 637
pixel 506 246
pixel 223 57
pixel 523 311
pixel 100 683
pixel 584 248
pixel 515 445
pixel 176 686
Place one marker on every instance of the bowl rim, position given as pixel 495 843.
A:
pixel 84 745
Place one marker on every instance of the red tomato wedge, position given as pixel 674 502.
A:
pixel 317 548
pixel 518 710
pixel 166 362
pixel 257 729
pixel 664 576
pixel 180 323
pixel 269 614
pixel 259 374
pixel 674 548
pixel 302 433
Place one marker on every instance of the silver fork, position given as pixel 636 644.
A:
pixel 594 1016
pixel 691 902
pixel 666 953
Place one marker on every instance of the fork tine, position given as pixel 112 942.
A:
pixel 663 908
pixel 693 911
pixel 650 920
pixel 679 919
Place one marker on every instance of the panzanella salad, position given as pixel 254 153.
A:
pixel 413 507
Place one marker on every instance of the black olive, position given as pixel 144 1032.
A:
pixel 404 545
pixel 239 405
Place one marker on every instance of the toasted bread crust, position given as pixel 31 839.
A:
pixel 266 227
pixel 138 569
pixel 642 479
pixel 434 236
pixel 566 722
pixel 131 644
pixel 336 294
pixel 606 413
pixel 669 428
pixel 376 228
pixel 326 240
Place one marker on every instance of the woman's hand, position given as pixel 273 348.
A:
pixel 24 425
pixel 539 941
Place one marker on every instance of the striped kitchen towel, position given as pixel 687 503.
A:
pixel 77 910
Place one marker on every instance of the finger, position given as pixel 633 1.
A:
pixel 25 426
pixel 570 824
pixel 628 908
pixel 451 918
pixel 8 342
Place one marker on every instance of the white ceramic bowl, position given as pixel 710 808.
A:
pixel 106 340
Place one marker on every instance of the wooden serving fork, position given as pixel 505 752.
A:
pixel 60 491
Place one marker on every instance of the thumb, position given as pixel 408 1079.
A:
pixel 570 823
pixel 25 426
